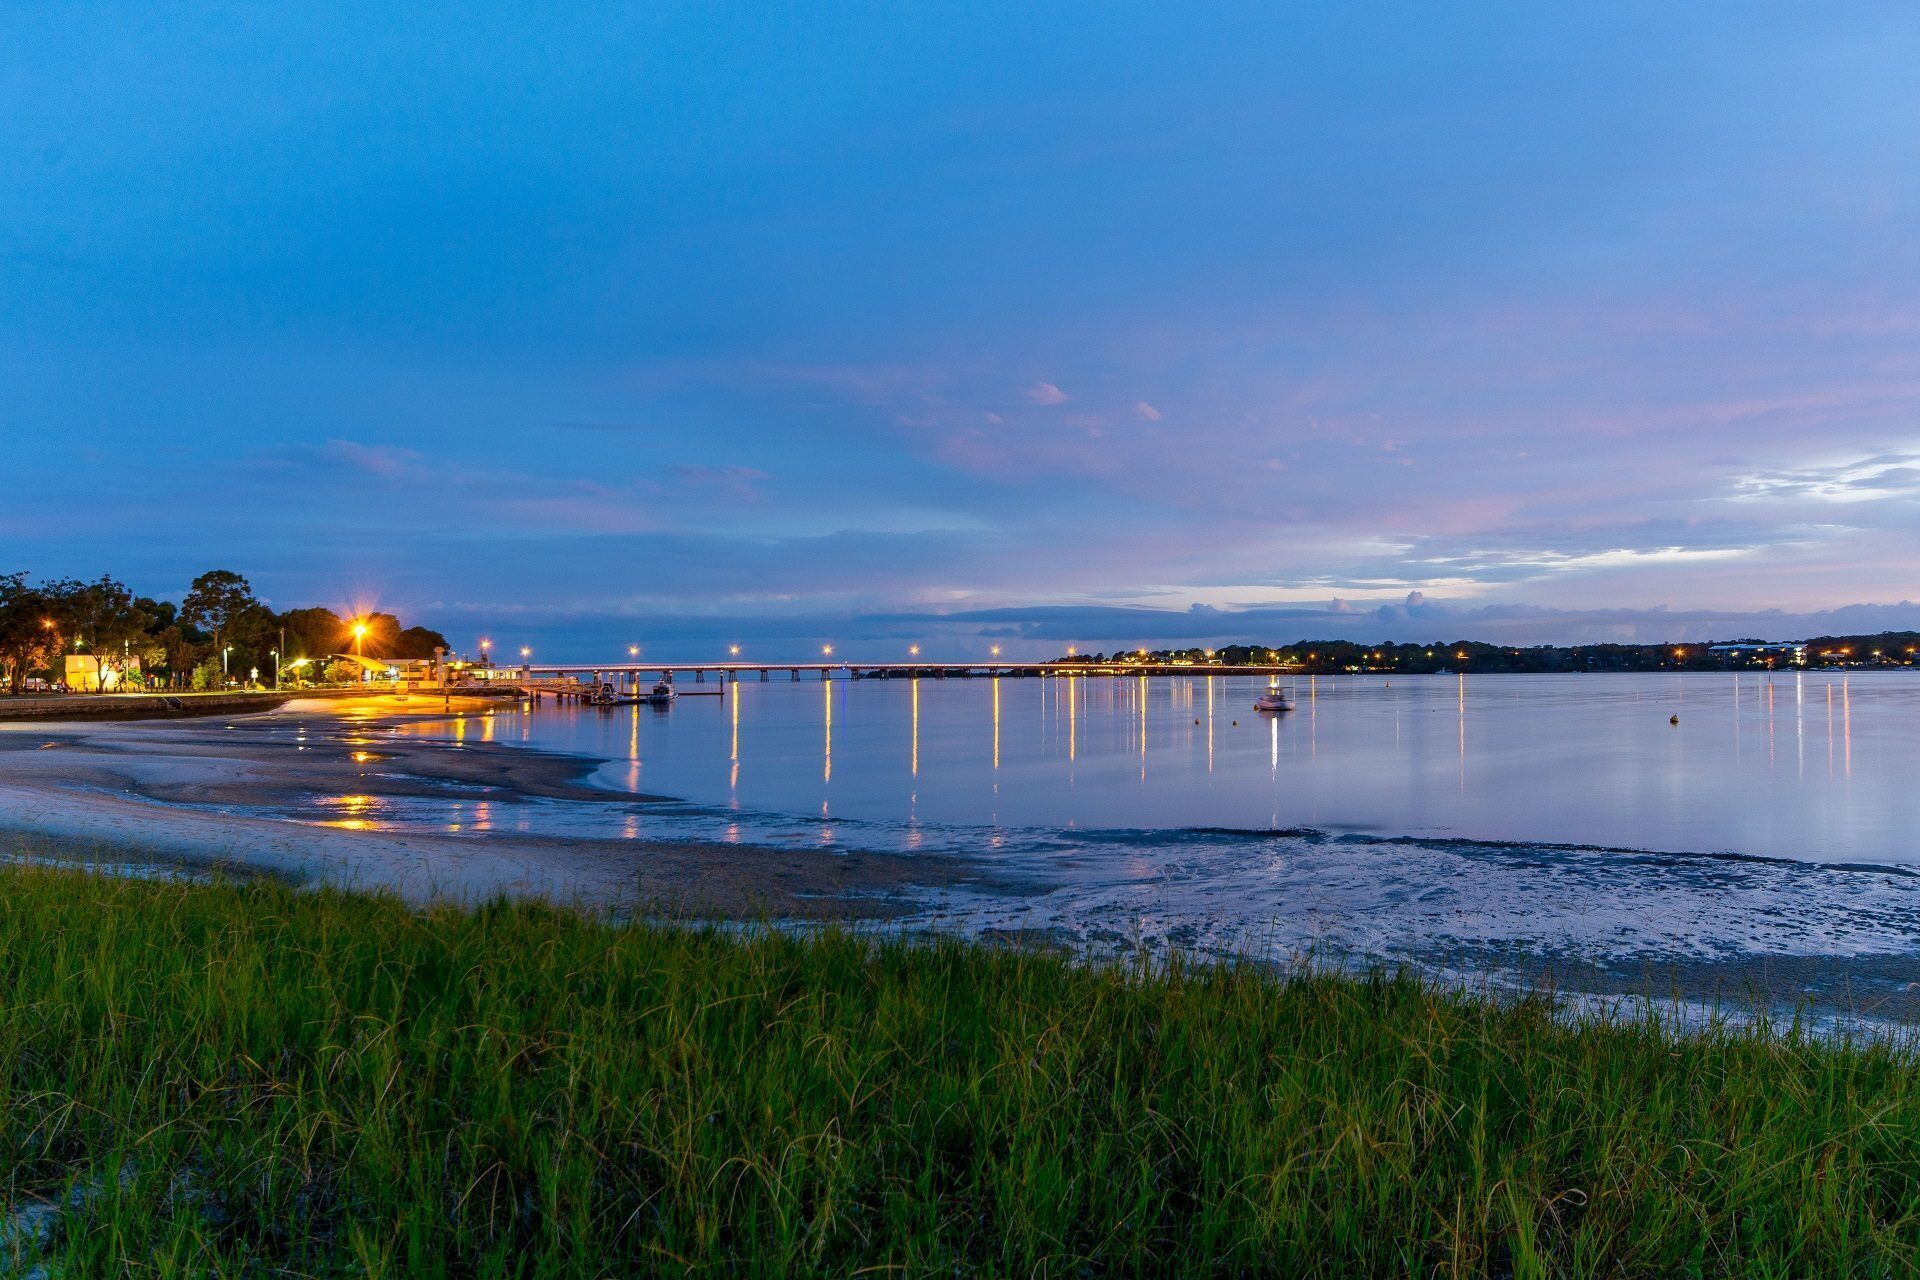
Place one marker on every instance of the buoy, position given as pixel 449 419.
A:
pixel 1673 719
pixel 1236 724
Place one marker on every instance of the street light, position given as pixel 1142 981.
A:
pixel 913 651
pixel 826 651
pixel 733 650
pixel 993 650
pixel 633 651
pixel 525 652
pixel 225 650
pixel 359 634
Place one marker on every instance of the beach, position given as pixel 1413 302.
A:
pixel 192 796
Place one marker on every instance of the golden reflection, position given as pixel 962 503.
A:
pixel 915 763
pixel 633 735
pixel 996 722
pixel 1273 749
pixel 1209 724
pixel 486 727
pixel 1143 724
pixel 826 767
pixel 733 747
pixel 1829 728
pixel 1462 693
pixel 1846 726
pixel 355 809
pixel 1073 722
pixel 1800 723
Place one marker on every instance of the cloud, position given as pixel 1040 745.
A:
pixel 1146 412
pixel 1046 393
pixel 1883 475
pixel 735 482
pixel 383 461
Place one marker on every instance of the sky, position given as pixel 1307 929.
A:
pixel 1019 324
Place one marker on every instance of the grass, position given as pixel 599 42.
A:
pixel 244 1080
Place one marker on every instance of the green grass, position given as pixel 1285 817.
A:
pixel 251 1081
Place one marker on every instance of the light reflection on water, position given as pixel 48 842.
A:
pixel 1589 760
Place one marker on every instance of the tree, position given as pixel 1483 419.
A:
pixel 216 602
pixel 313 633
pixel 105 622
pixel 418 642
pixel 29 636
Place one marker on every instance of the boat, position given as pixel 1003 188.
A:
pixel 663 695
pixel 1274 701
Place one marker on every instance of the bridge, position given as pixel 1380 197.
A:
pixel 563 678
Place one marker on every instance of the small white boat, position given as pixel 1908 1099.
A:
pixel 1273 700
pixel 663 695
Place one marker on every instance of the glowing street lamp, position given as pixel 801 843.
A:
pixel 633 651
pixel 913 651
pixel 994 650
pixel 826 651
pixel 485 646
pixel 733 650
pixel 525 652
pixel 359 634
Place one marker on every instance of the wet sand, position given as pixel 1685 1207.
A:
pixel 189 795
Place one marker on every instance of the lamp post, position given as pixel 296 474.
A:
pixel 359 634
pixel 276 668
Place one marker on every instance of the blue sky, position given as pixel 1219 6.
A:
pixel 1114 324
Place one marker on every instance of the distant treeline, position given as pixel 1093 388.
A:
pixel 1888 648
pixel 178 645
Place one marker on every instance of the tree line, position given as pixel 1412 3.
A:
pixel 218 634
pixel 1887 648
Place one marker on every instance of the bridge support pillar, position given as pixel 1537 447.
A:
pixel 795 674
pixel 763 675
pixel 699 677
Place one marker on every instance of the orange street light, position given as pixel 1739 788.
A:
pixel 359 634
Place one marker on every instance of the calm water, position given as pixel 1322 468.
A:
pixel 1385 816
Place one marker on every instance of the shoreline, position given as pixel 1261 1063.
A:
pixel 197 799
pixel 190 795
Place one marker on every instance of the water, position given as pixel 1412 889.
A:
pixel 1420 815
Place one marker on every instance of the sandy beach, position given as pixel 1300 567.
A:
pixel 279 794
